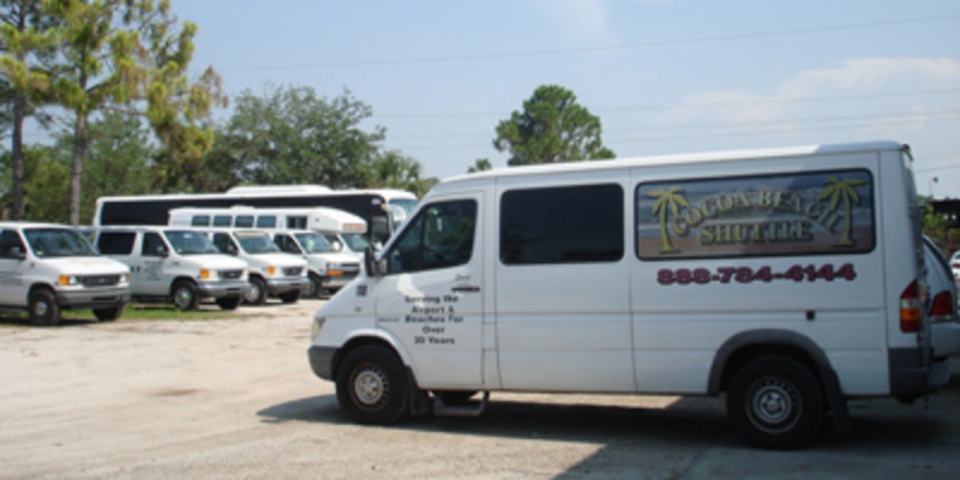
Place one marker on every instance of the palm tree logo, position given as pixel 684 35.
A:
pixel 836 191
pixel 671 199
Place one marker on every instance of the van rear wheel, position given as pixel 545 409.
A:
pixel 775 402
pixel 43 307
pixel 372 386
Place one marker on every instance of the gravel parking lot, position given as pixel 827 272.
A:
pixel 236 399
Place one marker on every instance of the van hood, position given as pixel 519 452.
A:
pixel 217 261
pixel 281 259
pixel 87 265
pixel 334 257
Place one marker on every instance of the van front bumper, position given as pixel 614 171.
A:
pixel 339 281
pixel 278 286
pixel 231 288
pixel 94 298
pixel 321 361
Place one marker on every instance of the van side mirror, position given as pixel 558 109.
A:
pixel 18 253
pixel 337 246
pixel 370 263
pixel 161 251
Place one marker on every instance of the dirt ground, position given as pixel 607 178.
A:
pixel 236 399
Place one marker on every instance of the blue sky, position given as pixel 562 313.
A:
pixel 664 76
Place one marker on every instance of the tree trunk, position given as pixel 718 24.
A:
pixel 19 108
pixel 79 145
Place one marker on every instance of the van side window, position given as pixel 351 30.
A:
pixel 267 221
pixel 223 243
pixel 221 220
pixel 200 221
pixel 243 221
pixel 573 224
pixel 152 245
pixel 8 241
pixel 441 236
pixel 116 243
pixel 286 244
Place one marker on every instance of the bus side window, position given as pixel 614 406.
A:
pixel 200 221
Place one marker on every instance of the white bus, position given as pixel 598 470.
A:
pixel 382 209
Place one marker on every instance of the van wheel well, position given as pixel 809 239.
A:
pixel 748 353
pixel 356 343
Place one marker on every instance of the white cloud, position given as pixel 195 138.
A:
pixel 584 19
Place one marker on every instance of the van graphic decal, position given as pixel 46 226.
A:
pixel 795 214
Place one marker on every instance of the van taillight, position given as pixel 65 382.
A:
pixel 910 306
pixel 941 310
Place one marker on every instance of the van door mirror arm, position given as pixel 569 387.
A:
pixel 370 263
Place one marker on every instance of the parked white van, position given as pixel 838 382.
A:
pixel 46 268
pixel 790 280
pixel 175 265
pixel 327 269
pixel 271 272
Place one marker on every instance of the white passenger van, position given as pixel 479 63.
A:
pixel 789 280
pixel 272 273
pixel 47 268
pixel 175 265
pixel 296 231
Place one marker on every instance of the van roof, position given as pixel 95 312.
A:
pixel 690 158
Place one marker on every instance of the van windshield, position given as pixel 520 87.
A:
pixel 185 242
pixel 58 242
pixel 313 242
pixel 355 241
pixel 256 242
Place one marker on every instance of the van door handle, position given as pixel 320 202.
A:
pixel 466 289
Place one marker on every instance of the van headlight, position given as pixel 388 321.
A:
pixel 271 270
pixel 205 274
pixel 69 280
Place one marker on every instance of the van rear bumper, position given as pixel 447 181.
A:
pixel 321 361
pixel 945 337
pixel 94 298
pixel 912 375
pixel 233 288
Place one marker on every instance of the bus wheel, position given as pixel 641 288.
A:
pixel 185 296
pixel 257 293
pixel 43 307
pixel 372 385
pixel 775 402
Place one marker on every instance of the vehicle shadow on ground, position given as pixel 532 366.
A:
pixel 8 320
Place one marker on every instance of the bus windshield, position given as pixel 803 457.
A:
pixel 58 242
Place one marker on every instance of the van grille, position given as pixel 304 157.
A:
pixel 230 274
pixel 293 271
pixel 99 280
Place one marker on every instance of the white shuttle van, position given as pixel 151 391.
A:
pixel 789 280
pixel 175 265
pixel 272 273
pixel 46 268
pixel 328 270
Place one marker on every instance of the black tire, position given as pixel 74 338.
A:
pixel 290 297
pixel 43 307
pixel 257 294
pixel 775 403
pixel 372 386
pixel 315 287
pixel 108 314
pixel 186 296
pixel 454 397
pixel 229 303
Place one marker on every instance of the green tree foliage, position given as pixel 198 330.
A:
pixel 46 182
pixel 27 37
pixel 552 128
pixel 124 52
pixel 292 136
pixel 393 170
pixel 480 165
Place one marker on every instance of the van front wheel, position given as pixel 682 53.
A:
pixel 185 295
pixel 372 386
pixel 43 307
pixel 775 402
